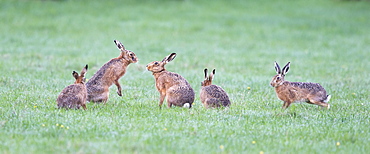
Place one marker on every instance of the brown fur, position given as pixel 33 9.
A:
pixel 291 92
pixel 213 95
pixel 172 85
pixel 74 96
pixel 108 74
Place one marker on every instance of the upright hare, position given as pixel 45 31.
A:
pixel 172 85
pixel 108 74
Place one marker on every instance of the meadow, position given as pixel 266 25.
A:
pixel 327 42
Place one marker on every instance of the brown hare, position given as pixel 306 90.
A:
pixel 172 85
pixel 74 96
pixel 212 95
pixel 291 92
pixel 108 74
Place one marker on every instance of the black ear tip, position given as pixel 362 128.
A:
pixel 87 66
pixel 288 64
pixel 172 56
pixel 116 42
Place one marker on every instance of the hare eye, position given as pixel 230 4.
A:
pixel 156 63
pixel 278 78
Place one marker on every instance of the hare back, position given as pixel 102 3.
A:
pixel 311 87
pixel 214 91
pixel 169 79
pixel 214 96
pixel 72 96
pixel 300 92
pixel 74 89
pixel 110 71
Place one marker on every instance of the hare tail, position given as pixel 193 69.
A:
pixel 186 105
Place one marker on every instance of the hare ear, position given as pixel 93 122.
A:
pixel 286 68
pixel 205 73
pixel 169 58
pixel 277 68
pixel 119 45
pixel 212 74
pixel 75 74
pixel 84 70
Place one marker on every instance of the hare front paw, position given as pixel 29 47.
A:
pixel 119 93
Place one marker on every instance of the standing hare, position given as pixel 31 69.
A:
pixel 291 92
pixel 172 85
pixel 74 96
pixel 108 74
pixel 213 95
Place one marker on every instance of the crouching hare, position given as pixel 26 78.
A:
pixel 172 85
pixel 108 74
pixel 213 95
pixel 74 96
pixel 291 92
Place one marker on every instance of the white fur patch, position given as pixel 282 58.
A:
pixel 327 99
pixel 186 105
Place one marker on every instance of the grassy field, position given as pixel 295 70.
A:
pixel 327 42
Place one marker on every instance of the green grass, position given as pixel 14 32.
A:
pixel 327 42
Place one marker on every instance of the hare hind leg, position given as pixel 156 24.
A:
pixel 320 103
pixel 101 98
